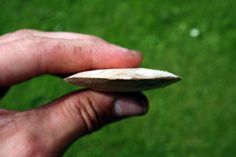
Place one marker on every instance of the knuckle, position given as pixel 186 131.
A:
pixel 56 46
pixel 37 48
pixel 50 46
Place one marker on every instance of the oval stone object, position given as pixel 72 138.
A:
pixel 123 80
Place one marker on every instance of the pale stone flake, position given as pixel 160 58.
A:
pixel 123 80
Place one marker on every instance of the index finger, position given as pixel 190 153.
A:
pixel 25 58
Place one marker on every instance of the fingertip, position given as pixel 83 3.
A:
pixel 138 55
pixel 121 57
pixel 133 104
pixel 130 52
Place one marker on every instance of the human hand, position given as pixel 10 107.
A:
pixel 47 131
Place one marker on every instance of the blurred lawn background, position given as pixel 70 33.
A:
pixel 195 117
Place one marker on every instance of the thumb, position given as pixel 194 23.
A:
pixel 83 112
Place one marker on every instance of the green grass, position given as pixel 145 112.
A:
pixel 195 117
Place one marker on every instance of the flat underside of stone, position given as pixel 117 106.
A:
pixel 123 80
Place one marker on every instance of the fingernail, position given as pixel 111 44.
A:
pixel 130 107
